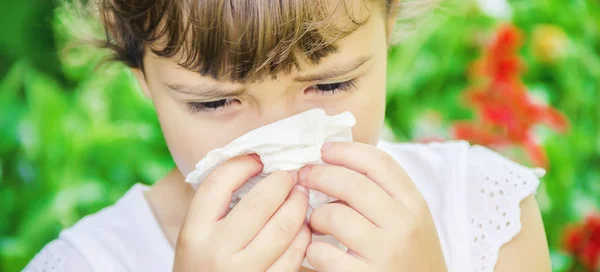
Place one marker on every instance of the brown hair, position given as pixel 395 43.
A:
pixel 239 40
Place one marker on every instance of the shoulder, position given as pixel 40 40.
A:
pixel 430 165
pixel 501 207
pixel 121 237
pixel 480 174
pixel 474 195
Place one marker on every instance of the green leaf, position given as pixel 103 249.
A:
pixel 12 106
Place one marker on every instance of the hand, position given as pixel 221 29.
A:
pixel 381 217
pixel 265 231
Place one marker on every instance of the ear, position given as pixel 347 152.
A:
pixel 141 78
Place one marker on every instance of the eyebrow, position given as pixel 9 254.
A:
pixel 339 69
pixel 207 90
pixel 214 91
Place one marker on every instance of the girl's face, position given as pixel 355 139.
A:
pixel 198 114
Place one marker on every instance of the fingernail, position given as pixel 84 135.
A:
pixel 301 189
pixel 326 146
pixel 303 174
pixel 294 175
pixel 255 157
pixel 350 252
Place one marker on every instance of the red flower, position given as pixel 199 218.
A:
pixel 573 238
pixel 583 242
pixel 506 113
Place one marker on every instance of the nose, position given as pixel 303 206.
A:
pixel 276 111
pixel 275 102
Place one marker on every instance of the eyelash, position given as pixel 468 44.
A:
pixel 323 89
pixel 210 106
pixel 333 88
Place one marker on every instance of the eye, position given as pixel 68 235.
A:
pixel 332 88
pixel 211 105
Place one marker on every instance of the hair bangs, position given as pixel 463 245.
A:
pixel 237 40
pixel 244 40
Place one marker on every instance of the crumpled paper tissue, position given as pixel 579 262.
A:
pixel 288 144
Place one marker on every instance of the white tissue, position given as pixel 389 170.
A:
pixel 288 144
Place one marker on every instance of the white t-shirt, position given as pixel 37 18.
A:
pixel 472 192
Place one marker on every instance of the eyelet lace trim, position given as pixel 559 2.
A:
pixel 57 256
pixel 496 187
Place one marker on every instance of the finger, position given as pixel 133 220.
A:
pixel 361 193
pixel 376 164
pixel 255 209
pixel 292 258
pixel 211 200
pixel 325 257
pixel 349 227
pixel 279 232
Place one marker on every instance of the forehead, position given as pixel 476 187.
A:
pixel 243 41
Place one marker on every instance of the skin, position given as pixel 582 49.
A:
pixel 207 236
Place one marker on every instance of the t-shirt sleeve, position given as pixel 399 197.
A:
pixel 495 187
pixel 57 256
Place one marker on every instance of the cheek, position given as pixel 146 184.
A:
pixel 188 137
pixel 369 112
pixel 368 106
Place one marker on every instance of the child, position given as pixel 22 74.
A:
pixel 216 69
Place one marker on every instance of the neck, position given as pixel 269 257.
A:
pixel 170 199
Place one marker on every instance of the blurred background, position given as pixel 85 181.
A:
pixel 521 77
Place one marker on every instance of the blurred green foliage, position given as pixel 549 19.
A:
pixel 74 138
